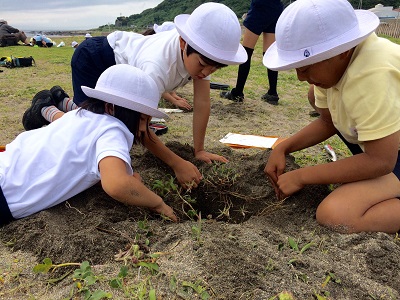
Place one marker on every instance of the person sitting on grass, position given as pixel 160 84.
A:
pixel 356 77
pixel 16 35
pixel 203 42
pixel 58 163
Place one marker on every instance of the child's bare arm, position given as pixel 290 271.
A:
pixel 201 114
pixel 121 186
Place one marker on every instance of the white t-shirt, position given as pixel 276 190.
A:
pixel 158 55
pixel 44 167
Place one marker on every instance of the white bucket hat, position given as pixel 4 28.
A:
pixel 213 30
pixel 129 87
pixel 310 31
pixel 166 26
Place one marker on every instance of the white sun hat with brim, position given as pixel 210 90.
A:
pixel 213 30
pixel 166 26
pixel 129 87
pixel 310 31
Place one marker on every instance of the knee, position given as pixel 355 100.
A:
pixel 331 215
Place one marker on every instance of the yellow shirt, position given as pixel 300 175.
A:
pixel 365 103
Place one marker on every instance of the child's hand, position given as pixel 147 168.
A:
pixel 289 183
pixel 209 157
pixel 274 168
pixel 186 172
pixel 166 210
pixel 177 101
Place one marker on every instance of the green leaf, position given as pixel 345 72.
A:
pixel 116 283
pixel 123 272
pixel 151 266
pixel 319 297
pixel 306 247
pixel 98 295
pixel 205 295
pixel 91 279
pixel 152 294
pixel 44 267
pixel 293 244
pixel 173 284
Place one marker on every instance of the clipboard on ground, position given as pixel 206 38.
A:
pixel 242 141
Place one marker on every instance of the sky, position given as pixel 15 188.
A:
pixel 42 15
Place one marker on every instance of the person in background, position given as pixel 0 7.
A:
pixel 88 36
pixel 42 41
pixel 260 19
pixel 84 147
pixel 189 53
pixel 357 94
pixel 74 44
pixel 6 30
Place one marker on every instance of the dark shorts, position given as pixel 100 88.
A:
pixel 5 214
pixel 356 149
pixel 92 57
pixel 263 15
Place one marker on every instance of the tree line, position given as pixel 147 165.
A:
pixel 168 9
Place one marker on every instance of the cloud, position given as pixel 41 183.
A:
pixel 69 15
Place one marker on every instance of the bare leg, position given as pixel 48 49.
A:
pixel 368 205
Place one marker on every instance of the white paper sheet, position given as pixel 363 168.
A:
pixel 248 140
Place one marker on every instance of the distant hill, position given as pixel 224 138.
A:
pixel 168 9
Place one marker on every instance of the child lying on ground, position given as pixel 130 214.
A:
pixel 44 167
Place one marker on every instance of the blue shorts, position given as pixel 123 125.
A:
pixel 263 15
pixel 92 57
pixel 5 213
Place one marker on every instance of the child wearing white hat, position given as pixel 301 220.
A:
pixel 59 163
pixel 202 42
pixel 356 77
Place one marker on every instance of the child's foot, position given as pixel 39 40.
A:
pixel 58 94
pixel 232 96
pixel 32 118
pixel 271 99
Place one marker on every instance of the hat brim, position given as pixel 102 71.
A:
pixel 367 21
pixel 124 102
pixel 218 55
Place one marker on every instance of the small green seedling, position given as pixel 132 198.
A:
pixel 293 244
pixel 164 187
pixel 331 277
pixel 283 296
pixel 85 278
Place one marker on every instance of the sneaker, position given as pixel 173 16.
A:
pixel 58 94
pixel 32 118
pixel 271 99
pixel 230 95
